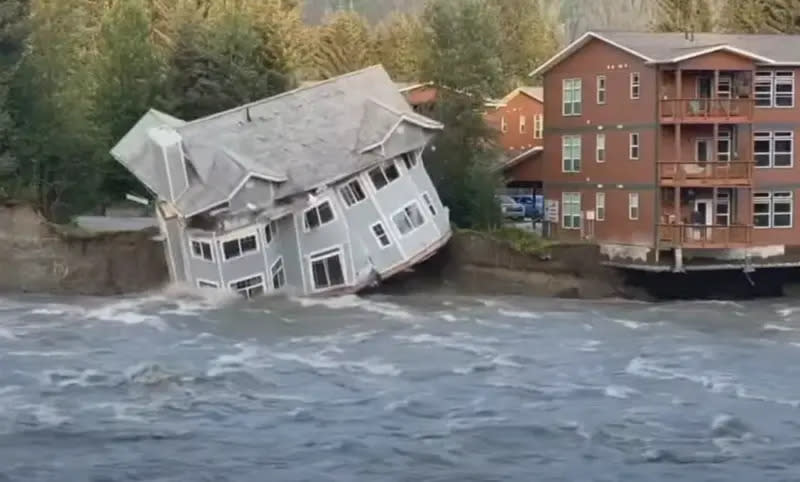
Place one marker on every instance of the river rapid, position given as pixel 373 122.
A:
pixel 190 386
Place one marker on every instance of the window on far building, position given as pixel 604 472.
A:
pixel 600 206
pixel 571 153
pixel 635 85
pixel 523 124
pixel 773 209
pixel 571 207
pixel 774 89
pixel 634 145
pixel 571 97
pixel 381 235
pixel 383 175
pixel 784 89
pixel 538 126
pixel 633 206
pixel 601 89
pixel 352 193
pixel 202 250
pixel 503 124
pixel 319 215
pixel 773 149
pixel 600 148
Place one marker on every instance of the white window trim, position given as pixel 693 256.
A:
pixel 239 236
pixel 786 79
pixel 769 196
pixel 564 152
pixel 597 205
pixel 636 82
pixel 523 124
pixel 209 242
pixel 428 200
pixel 773 83
pixel 631 145
pixel 329 252
pixel 211 284
pixel 603 89
pixel 538 126
pixel 564 210
pixel 274 232
pixel 597 148
pixel 244 278
pixel 385 231
pixel 770 137
pixel 425 218
pixel 632 205
pixel 503 124
pixel 320 202
pixel 279 260
pixel 564 102
pixel 382 166
pixel 346 185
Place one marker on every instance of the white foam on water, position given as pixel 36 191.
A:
pixel 9 389
pixel 47 415
pixel 786 312
pixel 619 391
pixel 249 357
pixel 446 342
pixel 126 312
pixel 45 354
pixel 449 317
pixel 120 411
pixel 320 362
pixel 7 334
pixel 389 310
pixel 633 325
pixel 528 315
pixel 590 346
pixel 774 327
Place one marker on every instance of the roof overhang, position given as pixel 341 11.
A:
pixel 519 158
pixel 577 44
pixel 717 48
pixel 519 90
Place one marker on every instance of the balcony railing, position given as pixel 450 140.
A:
pixel 706 173
pixel 702 109
pixel 705 236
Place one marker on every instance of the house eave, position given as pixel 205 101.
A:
pixel 576 45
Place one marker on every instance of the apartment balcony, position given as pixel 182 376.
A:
pixel 705 174
pixel 705 111
pixel 694 236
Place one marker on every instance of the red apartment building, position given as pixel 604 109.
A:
pixel 675 152
pixel 519 120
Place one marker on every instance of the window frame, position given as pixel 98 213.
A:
pixel 768 199
pixel 634 146
pixel 201 256
pixel 635 85
pixel 601 83
pixel 408 217
pixel 204 283
pixel 382 167
pixel 428 200
pixel 783 78
pixel 633 203
pixel 324 254
pixel 410 160
pixel 523 124
pixel 238 239
pixel 503 124
pixel 307 228
pixel 575 87
pixel 771 79
pixel 600 207
pixel 270 232
pixel 281 271
pixel 348 190
pixel 772 138
pixel 538 126
pixel 597 148
pixel 572 203
pixel 377 236
pixel 247 292
pixel 574 163
pixel 763 79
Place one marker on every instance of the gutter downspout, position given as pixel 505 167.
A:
pixel 657 152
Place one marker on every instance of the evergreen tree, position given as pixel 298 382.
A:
pixel 746 16
pixel 13 32
pixel 398 43
pixel 343 44
pixel 783 16
pixel 683 16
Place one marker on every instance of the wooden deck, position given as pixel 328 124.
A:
pixel 704 236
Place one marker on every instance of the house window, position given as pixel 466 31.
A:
pixel 635 85
pixel 383 175
pixel 326 269
pixel 572 210
pixel 278 274
pixel 571 93
pixel 571 153
pixel 523 124
pixel 503 124
pixel 633 206
pixel 600 148
pixel 206 284
pixel 410 160
pixel 601 89
pixel 270 232
pixel 249 287
pixel 319 215
pixel 725 88
pixel 352 193
pixel 773 149
pixel 408 219
pixel 202 250
pixel 236 248
pixel 381 235
pixel 429 202
pixel 600 206
pixel 774 89
pixel 538 126
pixel 634 145
pixel 773 209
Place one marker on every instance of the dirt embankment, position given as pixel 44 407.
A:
pixel 42 258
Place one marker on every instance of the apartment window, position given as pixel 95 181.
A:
pixel 774 89
pixel 523 124
pixel 725 88
pixel 571 153
pixel 249 287
pixel 202 250
pixel 206 284
pixel 270 232
pixel 634 145
pixel 601 89
pixel 773 149
pixel 383 175
pixel 635 85
pixel 600 206
pixel 429 202
pixel 319 215
pixel 410 160
pixel 503 124
pixel 278 274
pixel 236 248
pixel 326 269
pixel 538 126
pixel 352 193
pixel 600 148
pixel 408 219
pixel 773 209
pixel 571 202
pixel 381 235
pixel 633 206
pixel 571 93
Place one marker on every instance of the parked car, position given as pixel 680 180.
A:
pixel 511 209
pixel 531 209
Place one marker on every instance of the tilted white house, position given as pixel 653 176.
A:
pixel 317 190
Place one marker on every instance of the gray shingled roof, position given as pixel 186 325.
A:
pixel 300 139
pixel 666 47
